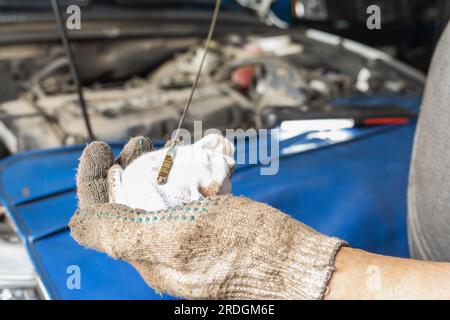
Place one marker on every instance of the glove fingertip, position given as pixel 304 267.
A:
pixel 95 162
pixel 136 147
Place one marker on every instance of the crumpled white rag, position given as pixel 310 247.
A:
pixel 199 170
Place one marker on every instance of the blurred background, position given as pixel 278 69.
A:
pixel 410 29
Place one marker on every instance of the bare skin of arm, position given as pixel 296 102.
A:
pixel 363 275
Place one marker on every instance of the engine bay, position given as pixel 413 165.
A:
pixel 139 86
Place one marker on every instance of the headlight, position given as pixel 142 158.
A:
pixel 17 277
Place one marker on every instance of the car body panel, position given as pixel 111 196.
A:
pixel 352 186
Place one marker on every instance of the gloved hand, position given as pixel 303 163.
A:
pixel 220 247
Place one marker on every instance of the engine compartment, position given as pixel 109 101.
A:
pixel 139 86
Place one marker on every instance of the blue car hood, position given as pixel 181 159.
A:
pixel 352 188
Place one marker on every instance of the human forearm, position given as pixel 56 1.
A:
pixel 363 275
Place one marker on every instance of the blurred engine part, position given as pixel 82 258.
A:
pixel 351 10
pixel 17 278
pixel 263 9
pixel 315 10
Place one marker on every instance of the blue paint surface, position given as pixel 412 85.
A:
pixel 353 187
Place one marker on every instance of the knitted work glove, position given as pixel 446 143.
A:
pixel 220 247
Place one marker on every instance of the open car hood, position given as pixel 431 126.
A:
pixel 353 187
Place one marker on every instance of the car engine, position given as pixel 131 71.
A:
pixel 140 86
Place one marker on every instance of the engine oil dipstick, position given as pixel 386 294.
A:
pixel 170 155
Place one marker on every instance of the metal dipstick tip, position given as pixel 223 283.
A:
pixel 165 169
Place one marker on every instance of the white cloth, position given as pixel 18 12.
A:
pixel 199 170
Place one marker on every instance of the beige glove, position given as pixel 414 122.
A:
pixel 220 247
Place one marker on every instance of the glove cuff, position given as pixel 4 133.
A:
pixel 288 259
pixel 311 267
pixel 303 274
